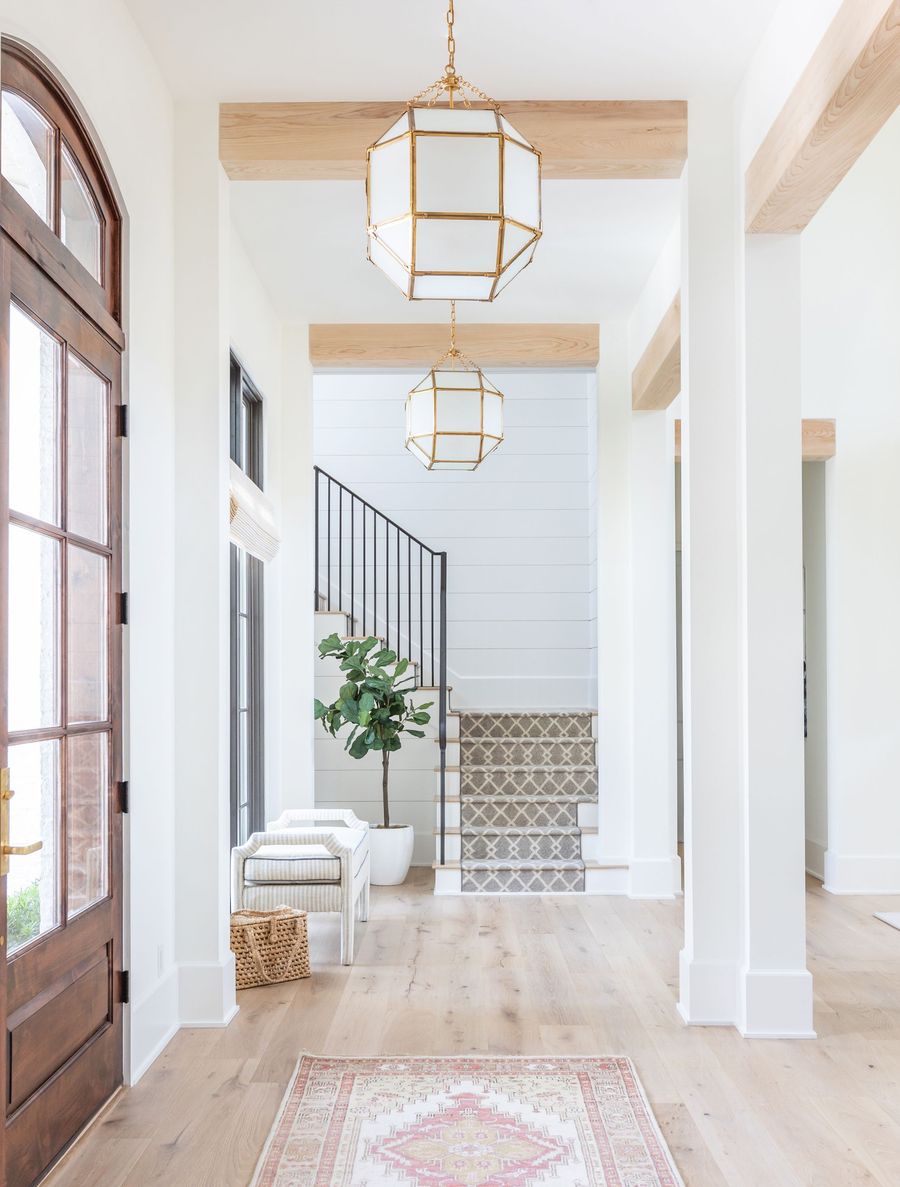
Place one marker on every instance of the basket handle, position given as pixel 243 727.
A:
pixel 289 959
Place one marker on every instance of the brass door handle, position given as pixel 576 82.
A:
pixel 7 850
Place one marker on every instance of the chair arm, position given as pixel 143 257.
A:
pixel 292 817
pixel 285 837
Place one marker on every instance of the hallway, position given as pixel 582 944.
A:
pixel 566 975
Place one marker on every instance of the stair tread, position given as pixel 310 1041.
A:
pixel 469 863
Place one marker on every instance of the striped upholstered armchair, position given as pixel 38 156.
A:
pixel 313 859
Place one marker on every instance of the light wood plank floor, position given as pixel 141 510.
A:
pixel 562 975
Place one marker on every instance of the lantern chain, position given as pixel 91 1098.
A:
pixel 451 83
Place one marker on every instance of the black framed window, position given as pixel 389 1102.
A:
pixel 247 709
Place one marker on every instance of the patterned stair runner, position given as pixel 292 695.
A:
pixel 522 777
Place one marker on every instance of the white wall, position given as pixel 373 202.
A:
pixel 851 371
pixel 137 136
pixel 815 626
pixel 517 530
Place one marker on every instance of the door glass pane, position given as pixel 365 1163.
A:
pixel 87 800
pixel 26 152
pixel 87 650
pixel 34 388
pixel 86 432
pixel 79 220
pixel 32 904
pixel 33 629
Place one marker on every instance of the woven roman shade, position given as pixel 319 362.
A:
pixel 251 517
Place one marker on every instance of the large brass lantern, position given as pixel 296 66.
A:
pixel 453 194
pixel 454 417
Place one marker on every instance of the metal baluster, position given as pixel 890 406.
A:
pixel 340 548
pixel 328 574
pixel 398 593
pixel 432 620
pixel 387 584
pixel 352 566
pixel 364 575
pixel 409 636
pixel 442 701
pixel 374 572
pixel 421 615
pixel 318 531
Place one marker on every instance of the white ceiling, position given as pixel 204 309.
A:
pixel 513 49
pixel 307 242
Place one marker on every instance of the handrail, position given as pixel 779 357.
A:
pixel 363 602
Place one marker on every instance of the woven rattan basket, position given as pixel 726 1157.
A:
pixel 269 946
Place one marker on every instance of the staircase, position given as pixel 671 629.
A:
pixel 516 797
pixel 522 777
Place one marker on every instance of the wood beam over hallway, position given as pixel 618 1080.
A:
pixel 418 345
pixel 819 440
pixel 578 138
pixel 846 93
pixel 656 379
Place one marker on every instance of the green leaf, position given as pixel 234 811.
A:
pixel 349 692
pixel 350 710
pixel 359 749
pixel 401 668
pixel 319 710
pixel 392 743
pixel 421 718
pixel 417 733
pixel 332 643
pixel 367 644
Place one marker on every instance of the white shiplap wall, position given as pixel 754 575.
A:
pixel 519 532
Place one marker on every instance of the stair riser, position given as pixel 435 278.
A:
pixel 526 725
pixel 522 848
pixel 569 753
pixel 503 816
pixel 517 782
pixel 523 881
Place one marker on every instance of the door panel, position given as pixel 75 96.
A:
pixel 61 730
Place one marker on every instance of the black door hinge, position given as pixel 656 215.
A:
pixel 122 795
pixel 121 420
pixel 123 609
pixel 124 987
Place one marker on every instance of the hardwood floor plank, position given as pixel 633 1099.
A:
pixel 558 976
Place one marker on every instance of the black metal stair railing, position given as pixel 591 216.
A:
pixel 388 583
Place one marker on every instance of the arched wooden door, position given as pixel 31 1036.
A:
pixel 60 622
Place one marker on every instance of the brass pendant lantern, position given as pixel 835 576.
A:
pixel 453 194
pixel 454 417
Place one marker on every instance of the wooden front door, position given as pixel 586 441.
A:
pixel 60 734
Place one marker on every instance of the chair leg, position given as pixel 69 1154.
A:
pixel 347 932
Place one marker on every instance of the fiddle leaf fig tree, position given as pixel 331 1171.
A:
pixel 373 702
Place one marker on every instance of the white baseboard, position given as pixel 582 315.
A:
pixel 708 991
pixel 655 877
pixel 862 873
pixel 776 1004
pixel 206 993
pixel 153 1023
pixel 815 859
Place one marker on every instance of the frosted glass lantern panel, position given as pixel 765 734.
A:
pixel 457 173
pixel 515 268
pixel 389 188
pixel 453 288
pixel 421 450
pixel 459 412
pixel 391 267
pixel 513 132
pixel 397 129
pixel 420 413
pixel 490 444
pixel 457 379
pixel 460 245
pixel 493 415
pixel 521 185
pixel 515 240
pixel 397 238
pixel 456 119
pixel 458 449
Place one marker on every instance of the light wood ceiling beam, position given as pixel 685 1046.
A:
pixel 846 93
pixel 819 440
pixel 418 345
pixel 656 380
pixel 328 141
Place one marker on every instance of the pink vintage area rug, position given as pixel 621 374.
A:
pixel 465 1122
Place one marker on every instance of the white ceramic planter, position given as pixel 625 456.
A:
pixel 390 852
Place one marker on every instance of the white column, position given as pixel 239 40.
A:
pixel 712 570
pixel 202 799
pixel 776 990
pixel 654 868
pixel 614 661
